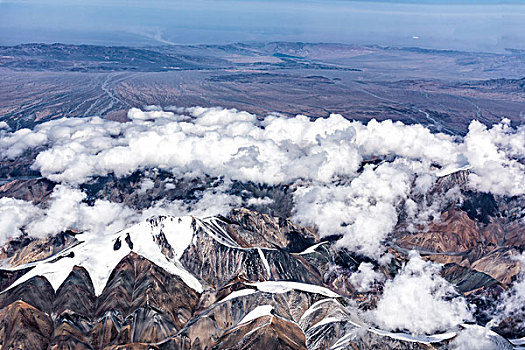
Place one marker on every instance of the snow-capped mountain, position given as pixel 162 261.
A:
pixel 207 228
pixel 185 282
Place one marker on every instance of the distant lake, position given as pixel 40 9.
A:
pixel 464 25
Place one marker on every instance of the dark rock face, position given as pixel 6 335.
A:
pixel 127 189
pixel 35 190
pixel 144 306
pixel 23 326
pixel 217 264
pixel 22 250
pixel 251 229
pixel 137 283
pixel 141 303
pixel 37 292
pixel 267 332
pixel 76 294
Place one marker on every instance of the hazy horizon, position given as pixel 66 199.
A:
pixel 460 25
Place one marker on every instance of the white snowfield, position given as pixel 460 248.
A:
pixel 238 294
pixel 518 342
pixel 281 287
pixel 425 339
pixel 99 256
pixel 315 306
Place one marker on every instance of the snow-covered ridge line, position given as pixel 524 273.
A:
pixel 145 239
pixel 310 154
pixel 265 310
pixel 56 256
pixel 279 287
pixel 99 254
pixel 341 343
pixel 314 307
pixel 265 262
pixel 424 339
pixel 212 227
pixel 451 170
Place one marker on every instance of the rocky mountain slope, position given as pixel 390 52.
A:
pixel 208 228
pixel 245 281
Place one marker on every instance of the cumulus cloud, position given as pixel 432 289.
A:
pixel 346 178
pixel 494 154
pixel 14 214
pixel 420 210
pixel 275 149
pixel 512 302
pixel 212 202
pixel 363 210
pixel 67 210
pixel 146 185
pixel 409 141
pixel 365 277
pixel 419 300
pixel 259 201
pixel 216 142
pixel 320 159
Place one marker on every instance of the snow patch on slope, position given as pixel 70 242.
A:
pixel 278 287
pixel 265 262
pixel 238 294
pixel 259 311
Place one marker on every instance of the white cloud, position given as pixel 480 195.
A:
pixel 410 141
pixel 68 211
pixel 493 154
pixel 365 277
pixel 216 142
pixel 363 210
pixel 275 149
pixel 512 302
pixel 320 158
pixel 259 201
pixel 419 300
pixel 213 202
pixel 421 213
pixel 321 161
pixel 14 214
pixel 146 185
